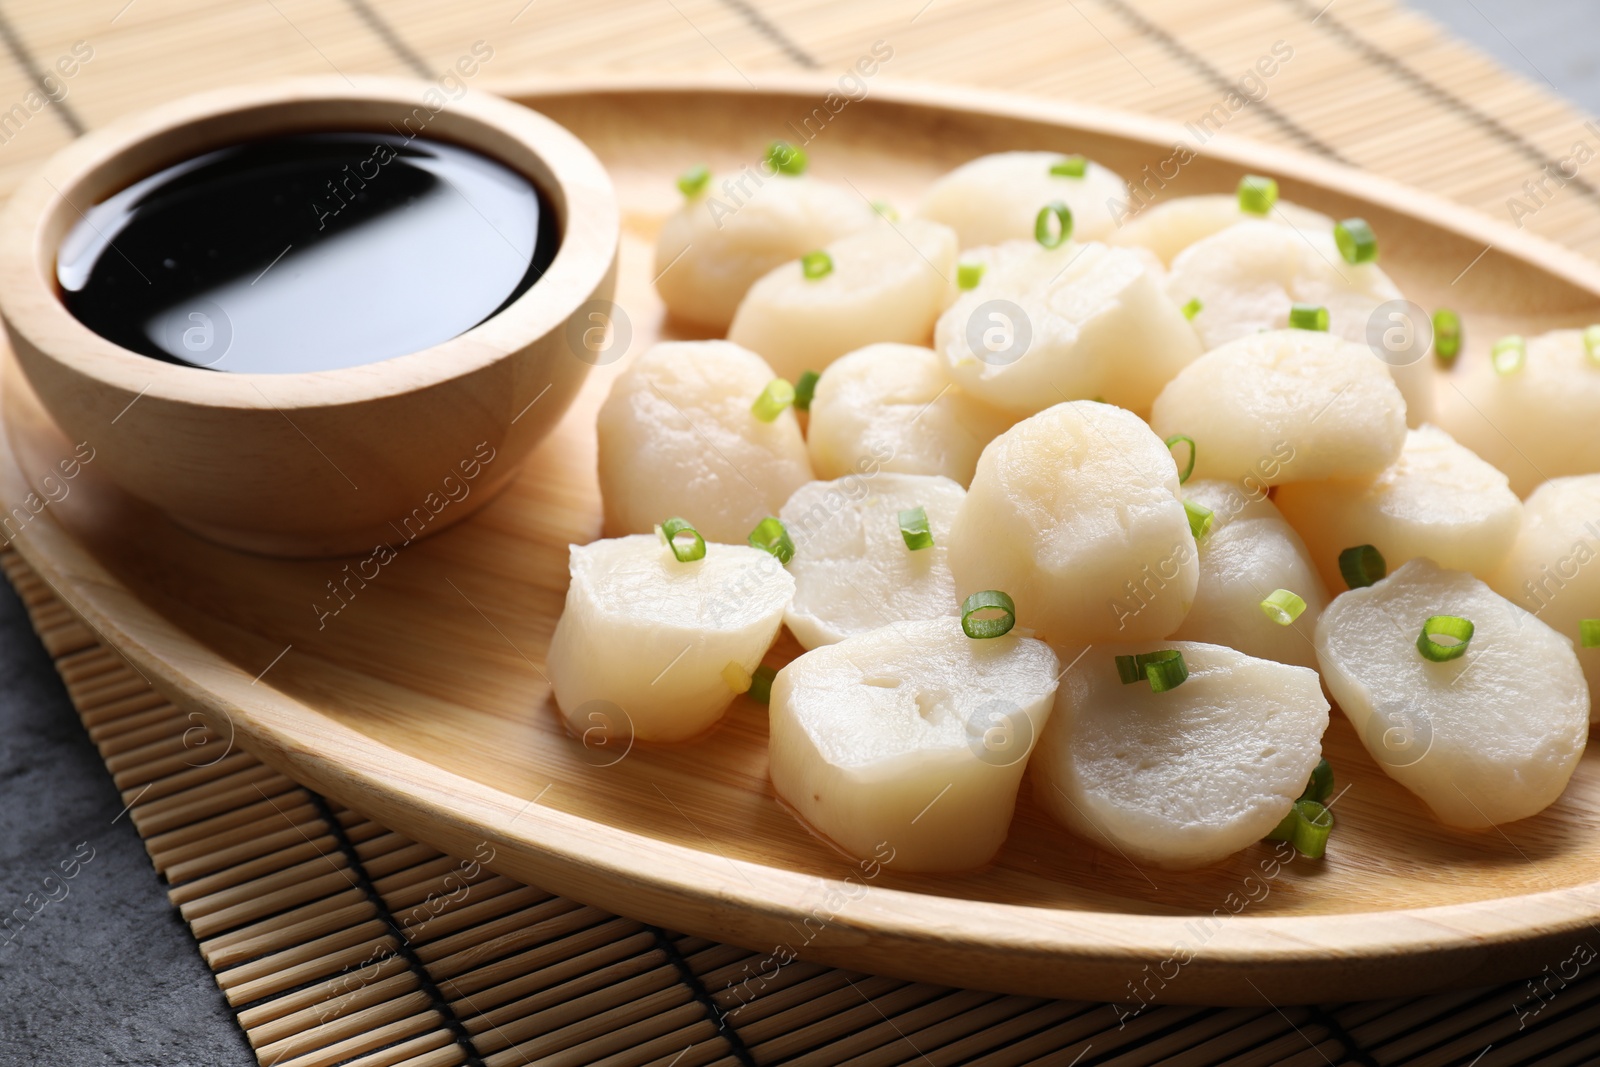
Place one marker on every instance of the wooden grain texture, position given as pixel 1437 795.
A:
pixel 421 701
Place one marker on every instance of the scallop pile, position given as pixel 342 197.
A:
pixel 1119 510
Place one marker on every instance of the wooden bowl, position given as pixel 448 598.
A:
pixel 327 462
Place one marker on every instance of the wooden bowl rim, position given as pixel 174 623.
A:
pixel 582 188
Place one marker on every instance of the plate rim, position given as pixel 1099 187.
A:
pixel 933 938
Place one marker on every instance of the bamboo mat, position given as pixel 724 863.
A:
pixel 337 941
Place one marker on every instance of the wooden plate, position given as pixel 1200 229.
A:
pixel 422 701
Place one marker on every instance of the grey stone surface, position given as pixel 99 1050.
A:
pixel 107 973
pixel 95 965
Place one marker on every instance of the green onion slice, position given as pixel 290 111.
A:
pixel 1320 785
pixel 1591 344
pixel 1053 236
pixel 1069 167
pixel 778 395
pixel 816 265
pixel 1164 670
pixel 1361 566
pixel 1199 518
pixel 1357 243
pixel 770 535
pixel 693 182
pixel 914 529
pixel 886 209
pixel 1257 195
pixel 1308 317
pixel 804 389
pixel 1188 469
pixel 1193 308
pixel 1509 354
pixel 785 158
pixel 1306 827
pixel 988 626
pixel 761 684
pixel 1589 633
pixel 685 551
pixel 968 275
pixel 1283 607
pixel 1452 627
pixel 1446 336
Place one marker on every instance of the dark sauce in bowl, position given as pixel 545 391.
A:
pixel 306 253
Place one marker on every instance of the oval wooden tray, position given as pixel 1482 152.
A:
pixel 422 701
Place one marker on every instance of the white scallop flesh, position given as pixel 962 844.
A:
pixel 911 740
pixel 1171 226
pixel 852 570
pixel 1553 568
pixel 642 648
pixel 1249 553
pixel 1074 322
pixel 1288 405
pixel 712 250
pixel 1487 738
pixel 1437 500
pixel 1248 275
pixel 677 438
pixel 893 407
pixel 1187 777
pixel 1074 513
pixel 997 198
pixel 1536 423
pixel 888 283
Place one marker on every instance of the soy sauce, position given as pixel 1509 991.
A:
pixel 304 253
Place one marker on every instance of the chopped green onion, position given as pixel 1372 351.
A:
pixel 693 182
pixel 761 684
pixel 778 395
pixel 804 389
pixel 1069 167
pixel 1164 670
pixel 785 158
pixel 770 535
pixel 1283 607
pixel 1361 566
pixel 1308 317
pixel 1591 344
pixel 1589 633
pixel 736 676
pixel 968 275
pixel 1044 233
pixel 1257 194
pixel 990 625
pixel 1193 308
pixel 1508 354
pixel 914 528
pixel 685 551
pixel 1306 827
pixel 1199 518
pixel 886 209
pixel 1320 786
pixel 1454 627
pixel 816 265
pixel 1446 336
pixel 1357 243
pixel 1188 469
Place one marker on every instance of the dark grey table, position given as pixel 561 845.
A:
pixel 107 974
